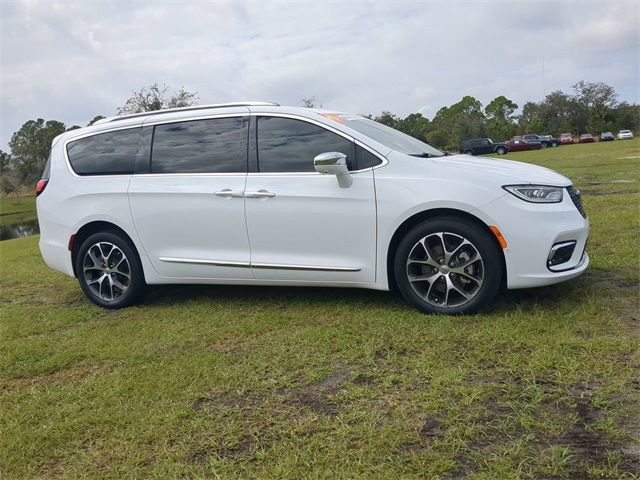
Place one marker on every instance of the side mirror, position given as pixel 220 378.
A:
pixel 334 163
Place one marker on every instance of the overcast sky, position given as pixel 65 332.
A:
pixel 70 61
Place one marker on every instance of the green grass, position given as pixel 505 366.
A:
pixel 238 382
pixel 17 210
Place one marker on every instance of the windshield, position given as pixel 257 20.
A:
pixel 391 138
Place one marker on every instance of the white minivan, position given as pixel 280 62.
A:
pixel 260 194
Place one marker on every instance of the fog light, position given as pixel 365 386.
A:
pixel 560 253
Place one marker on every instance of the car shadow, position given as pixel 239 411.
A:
pixel 172 294
pixel 544 297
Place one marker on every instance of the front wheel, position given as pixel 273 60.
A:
pixel 554 144
pixel 448 265
pixel 109 270
pixel 501 150
pixel 543 145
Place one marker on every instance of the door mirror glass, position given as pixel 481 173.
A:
pixel 334 163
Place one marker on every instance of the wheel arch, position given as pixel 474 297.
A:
pixel 96 226
pixel 431 214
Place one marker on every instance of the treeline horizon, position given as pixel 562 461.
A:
pixel 590 108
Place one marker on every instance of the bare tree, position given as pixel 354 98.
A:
pixel 157 97
pixel 310 102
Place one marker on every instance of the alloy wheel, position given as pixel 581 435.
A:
pixel 106 271
pixel 445 269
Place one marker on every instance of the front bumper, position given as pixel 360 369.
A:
pixel 531 230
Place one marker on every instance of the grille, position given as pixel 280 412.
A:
pixel 574 193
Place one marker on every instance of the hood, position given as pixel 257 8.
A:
pixel 516 172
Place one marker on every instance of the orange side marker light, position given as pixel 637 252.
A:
pixel 498 234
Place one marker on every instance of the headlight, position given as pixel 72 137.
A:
pixel 536 193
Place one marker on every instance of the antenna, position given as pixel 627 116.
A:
pixel 544 87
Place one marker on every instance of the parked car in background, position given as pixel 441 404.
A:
pixel 566 138
pixel 544 140
pixel 553 141
pixel 586 138
pixel 140 199
pixel 606 137
pixel 625 135
pixel 522 145
pixel 481 146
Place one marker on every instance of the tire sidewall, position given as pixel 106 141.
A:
pixel 137 283
pixel 481 239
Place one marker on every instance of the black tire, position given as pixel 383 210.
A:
pixel 554 144
pixel 490 263
pixel 89 272
pixel 544 145
pixel 469 152
pixel 501 150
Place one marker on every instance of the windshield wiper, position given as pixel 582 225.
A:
pixel 426 155
pixel 422 155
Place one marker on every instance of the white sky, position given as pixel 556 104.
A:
pixel 70 61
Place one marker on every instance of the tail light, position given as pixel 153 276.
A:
pixel 42 184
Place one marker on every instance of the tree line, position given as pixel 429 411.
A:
pixel 590 107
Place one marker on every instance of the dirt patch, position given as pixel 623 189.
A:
pixel 385 353
pixel 218 402
pixel 242 448
pixel 364 380
pixel 431 429
pixel 317 396
pixel 63 376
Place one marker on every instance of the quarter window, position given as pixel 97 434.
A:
pixel 112 153
pixel 200 146
pixel 288 145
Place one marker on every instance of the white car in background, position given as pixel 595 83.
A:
pixel 260 194
pixel 625 135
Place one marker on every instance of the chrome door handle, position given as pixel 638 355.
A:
pixel 228 193
pixel 259 194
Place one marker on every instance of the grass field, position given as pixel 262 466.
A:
pixel 17 210
pixel 291 383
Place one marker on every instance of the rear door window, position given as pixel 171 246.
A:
pixel 216 145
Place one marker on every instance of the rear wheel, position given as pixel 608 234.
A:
pixel 448 265
pixel 468 152
pixel 109 270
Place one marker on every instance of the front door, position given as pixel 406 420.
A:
pixel 189 208
pixel 302 226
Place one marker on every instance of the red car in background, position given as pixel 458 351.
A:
pixel 566 138
pixel 521 145
pixel 586 138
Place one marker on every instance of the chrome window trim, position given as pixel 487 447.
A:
pixel 140 126
pixel 147 122
pixel 266 266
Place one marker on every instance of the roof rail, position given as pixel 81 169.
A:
pixel 186 109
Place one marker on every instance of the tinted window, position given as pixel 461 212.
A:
pixel 200 146
pixel 365 159
pixel 47 169
pixel 112 153
pixel 287 145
